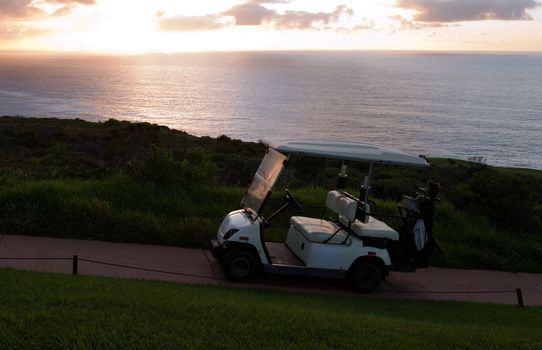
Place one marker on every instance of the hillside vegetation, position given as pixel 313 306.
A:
pixel 144 183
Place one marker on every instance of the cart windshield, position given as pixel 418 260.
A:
pixel 264 180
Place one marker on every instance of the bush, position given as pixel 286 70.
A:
pixel 117 209
pixel 394 188
pixel 198 167
pixel 505 199
pixel 160 167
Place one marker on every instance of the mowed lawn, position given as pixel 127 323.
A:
pixel 43 310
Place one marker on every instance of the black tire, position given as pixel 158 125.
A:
pixel 365 277
pixel 239 265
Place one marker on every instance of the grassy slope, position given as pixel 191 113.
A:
pixel 42 310
pixel 144 183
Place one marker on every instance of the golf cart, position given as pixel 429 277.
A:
pixel 354 244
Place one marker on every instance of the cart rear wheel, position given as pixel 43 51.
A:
pixel 239 265
pixel 365 276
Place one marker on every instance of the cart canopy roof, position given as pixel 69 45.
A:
pixel 345 150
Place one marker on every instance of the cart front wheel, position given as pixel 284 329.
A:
pixel 239 265
pixel 365 277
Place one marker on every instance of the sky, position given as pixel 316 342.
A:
pixel 144 26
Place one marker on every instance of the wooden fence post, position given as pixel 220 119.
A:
pixel 75 261
pixel 520 297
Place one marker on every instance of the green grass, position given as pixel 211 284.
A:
pixel 116 209
pixel 48 311
pixel 123 209
pixel 472 241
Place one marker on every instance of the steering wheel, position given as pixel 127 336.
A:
pixel 291 200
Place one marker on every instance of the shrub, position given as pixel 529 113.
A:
pixel 504 198
pixel 395 188
pixel 198 167
pixel 160 167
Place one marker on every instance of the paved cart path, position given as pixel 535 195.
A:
pixel 197 266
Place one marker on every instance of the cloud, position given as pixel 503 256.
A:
pixel 63 11
pixel 189 23
pixel 71 2
pixel 254 14
pixel 365 25
pixel 15 32
pixel 19 9
pixel 446 11
pixel 249 14
pixel 69 5
pixel 309 20
pixel 405 23
pixel 270 1
pixel 29 9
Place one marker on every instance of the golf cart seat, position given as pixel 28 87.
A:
pixel 374 228
pixel 371 228
pixel 318 230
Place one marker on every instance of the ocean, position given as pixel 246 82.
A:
pixel 457 105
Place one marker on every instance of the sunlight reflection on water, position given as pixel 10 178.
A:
pixel 452 105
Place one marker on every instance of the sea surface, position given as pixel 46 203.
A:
pixel 438 104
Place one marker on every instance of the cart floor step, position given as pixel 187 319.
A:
pixel 282 255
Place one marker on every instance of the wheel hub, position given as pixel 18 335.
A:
pixel 240 267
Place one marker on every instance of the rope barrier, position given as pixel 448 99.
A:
pixel 147 269
pixel 5 258
pixel 75 259
pixel 450 292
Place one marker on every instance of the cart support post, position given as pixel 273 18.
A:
pixel 368 184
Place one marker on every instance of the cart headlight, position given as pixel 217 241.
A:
pixel 230 233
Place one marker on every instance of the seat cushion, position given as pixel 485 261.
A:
pixel 374 228
pixel 332 200
pixel 318 230
pixel 347 210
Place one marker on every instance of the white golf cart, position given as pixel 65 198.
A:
pixel 354 244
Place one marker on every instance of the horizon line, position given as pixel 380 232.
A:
pixel 144 53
